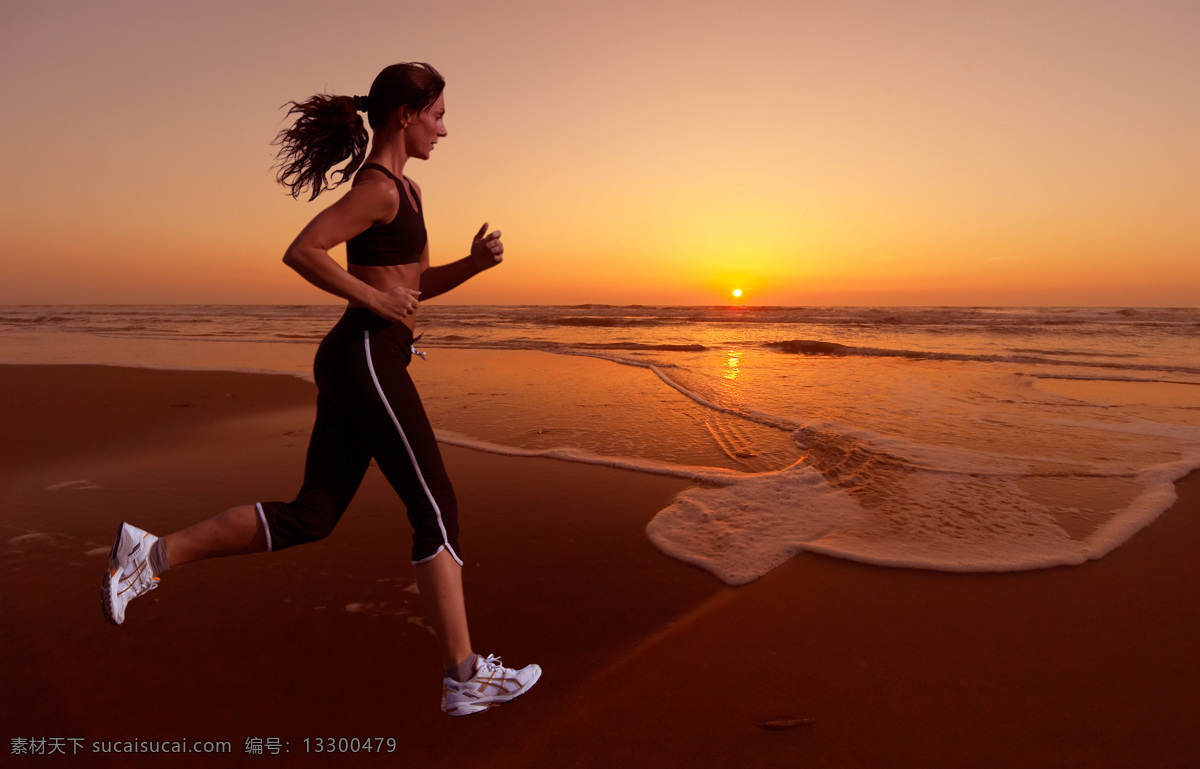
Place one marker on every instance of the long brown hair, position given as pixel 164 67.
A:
pixel 328 129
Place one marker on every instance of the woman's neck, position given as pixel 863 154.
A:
pixel 388 151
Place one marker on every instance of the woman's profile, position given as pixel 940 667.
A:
pixel 367 405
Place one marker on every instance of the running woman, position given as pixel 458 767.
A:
pixel 367 406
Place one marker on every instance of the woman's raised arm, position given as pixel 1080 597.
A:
pixel 486 252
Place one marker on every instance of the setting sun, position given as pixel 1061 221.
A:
pixel 737 293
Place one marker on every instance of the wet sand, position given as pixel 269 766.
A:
pixel 649 662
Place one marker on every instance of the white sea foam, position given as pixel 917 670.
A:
pixel 1159 495
pixel 716 476
pixel 951 508
pixel 745 529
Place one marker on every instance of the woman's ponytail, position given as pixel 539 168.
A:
pixel 328 130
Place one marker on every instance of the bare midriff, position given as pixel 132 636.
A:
pixel 389 277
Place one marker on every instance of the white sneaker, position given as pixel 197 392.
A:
pixel 491 685
pixel 129 574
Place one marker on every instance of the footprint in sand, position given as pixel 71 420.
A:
pixel 81 484
pixel 376 609
pixel 32 539
pixel 422 622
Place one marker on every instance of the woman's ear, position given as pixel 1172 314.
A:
pixel 401 118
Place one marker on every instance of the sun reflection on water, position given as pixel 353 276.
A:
pixel 732 367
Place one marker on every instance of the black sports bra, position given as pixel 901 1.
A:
pixel 400 241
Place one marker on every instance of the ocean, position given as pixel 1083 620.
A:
pixel 950 438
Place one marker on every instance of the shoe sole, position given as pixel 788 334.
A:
pixel 106 598
pixel 478 706
pixel 106 581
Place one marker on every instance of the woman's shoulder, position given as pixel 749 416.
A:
pixel 375 193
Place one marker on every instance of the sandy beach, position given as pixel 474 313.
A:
pixel 648 661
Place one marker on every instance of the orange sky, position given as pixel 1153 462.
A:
pixel 857 152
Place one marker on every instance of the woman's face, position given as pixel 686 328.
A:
pixel 424 129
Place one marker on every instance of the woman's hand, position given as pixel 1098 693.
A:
pixel 486 250
pixel 396 304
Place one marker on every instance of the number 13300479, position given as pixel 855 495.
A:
pixel 349 744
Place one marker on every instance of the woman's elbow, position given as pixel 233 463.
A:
pixel 293 258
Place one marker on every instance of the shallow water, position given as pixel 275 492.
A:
pixel 947 438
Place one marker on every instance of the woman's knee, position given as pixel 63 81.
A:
pixel 311 517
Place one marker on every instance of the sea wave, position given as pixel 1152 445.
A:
pixel 602 322
pixel 816 347
pixel 664 347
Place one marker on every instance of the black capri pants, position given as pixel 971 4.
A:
pixel 368 407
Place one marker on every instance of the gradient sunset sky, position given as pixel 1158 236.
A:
pixel 868 152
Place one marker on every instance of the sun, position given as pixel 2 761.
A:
pixel 737 293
